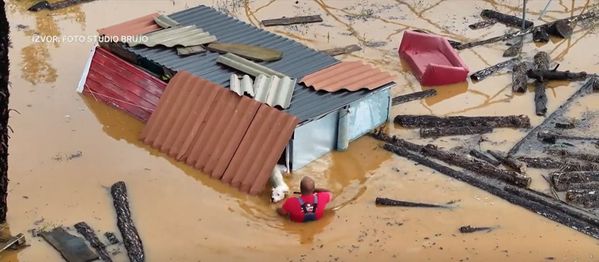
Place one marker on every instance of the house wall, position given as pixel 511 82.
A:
pixel 317 138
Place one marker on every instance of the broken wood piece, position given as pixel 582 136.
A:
pixel 391 202
pixel 190 50
pixel 563 181
pixel 509 161
pixel 72 248
pixel 13 242
pixel 88 233
pixel 515 49
pixel 561 164
pixel 484 157
pixel 482 24
pixel 565 125
pixel 435 132
pixel 413 96
pixel 112 239
pixel 519 78
pixel 342 50
pixel 292 20
pixel 476 165
pixel 251 52
pixel 542 60
pixel 55 5
pixel 420 121
pixel 484 73
pixel 569 154
pixel 505 19
pixel 585 198
pixel 548 75
pixel 560 28
pixel 131 238
pixel 540 35
pixel 540 99
pixel 471 229
pixel 574 19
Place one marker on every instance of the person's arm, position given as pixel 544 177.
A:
pixel 282 212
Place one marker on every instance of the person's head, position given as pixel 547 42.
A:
pixel 307 186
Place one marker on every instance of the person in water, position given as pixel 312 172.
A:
pixel 309 206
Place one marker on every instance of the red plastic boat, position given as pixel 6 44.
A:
pixel 432 59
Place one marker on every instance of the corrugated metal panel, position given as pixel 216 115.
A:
pixel 214 130
pixel 350 76
pixel 138 26
pixel 298 60
pixel 260 150
pixel 165 21
pixel 175 36
pixel 273 91
pixel 246 66
pixel 122 85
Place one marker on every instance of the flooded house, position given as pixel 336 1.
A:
pixel 334 102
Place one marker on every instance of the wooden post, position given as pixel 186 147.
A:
pixel 88 233
pixel 4 95
pixel 520 121
pixel 125 223
pixel 541 61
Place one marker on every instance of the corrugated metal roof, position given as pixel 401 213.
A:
pixel 273 91
pixel 165 21
pixel 138 26
pixel 189 35
pixel 350 76
pixel 298 60
pixel 246 66
pixel 230 137
pixel 122 85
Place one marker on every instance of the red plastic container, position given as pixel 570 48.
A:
pixel 432 59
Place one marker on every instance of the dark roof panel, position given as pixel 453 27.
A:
pixel 298 60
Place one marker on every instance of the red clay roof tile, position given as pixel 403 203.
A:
pixel 351 76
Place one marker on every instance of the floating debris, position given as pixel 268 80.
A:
pixel 292 20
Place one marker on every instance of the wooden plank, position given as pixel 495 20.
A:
pixel 292 20
pixel 88 233
pixel 413 96
pixel 247 51
pixel 508 20
pixel 342 50
pixel 483 73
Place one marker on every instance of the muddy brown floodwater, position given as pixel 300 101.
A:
pixel 183 215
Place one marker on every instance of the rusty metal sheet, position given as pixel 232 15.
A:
pixel 351 76
pixel 137 26
pixel 122 85
pixel 260 149
pixel 204 125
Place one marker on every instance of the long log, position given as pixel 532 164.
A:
pixel 435 132
pixel 477 166
pixel 125 223
pixel 578 18
pixel 55 5
pixel 575 155
pixel 561 164
pixel 482 24
pixel 548 75
pixel 563 181
pixel 533 201
pixel 88 233
pixel 420 121
pixel 413 96
pixel 509 161
pixel 484 73
pixel 551 137
pixel 391 202
pixel 4 112
pixel 586 198
pixel 484 157
pixel 505 19
pixel 541 61
pixel 519 78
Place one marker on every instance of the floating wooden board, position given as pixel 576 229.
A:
pixel 247 51
pixel 292 20
pixel 342 50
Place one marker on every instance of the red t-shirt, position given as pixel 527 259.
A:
pixel 292 205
